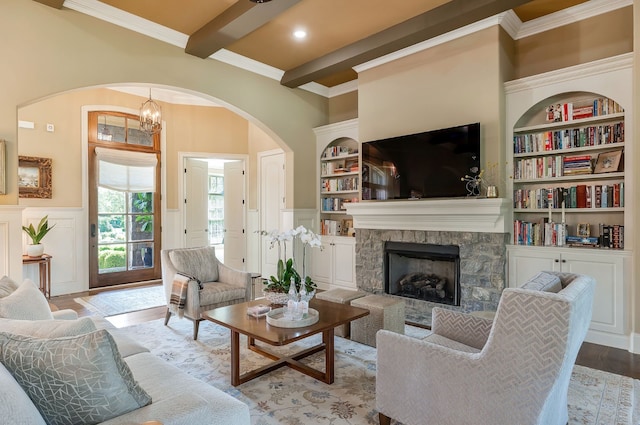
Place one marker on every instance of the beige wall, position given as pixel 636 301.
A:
pixel 343 107
pixel 188 129
pixel 635 177
pixel 583 41
pixel 51 51
pixel 451 84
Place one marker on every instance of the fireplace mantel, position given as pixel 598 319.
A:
pixel 457 214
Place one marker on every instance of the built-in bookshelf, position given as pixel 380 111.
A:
pixel 339 177
pixel 568 173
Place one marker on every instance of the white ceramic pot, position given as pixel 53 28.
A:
pixel 35 250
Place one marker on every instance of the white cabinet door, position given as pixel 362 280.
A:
pixel 344 262
pixel 526 263
pixel 608 300
pixel 334 265
pixel 606 267
pixel 321 263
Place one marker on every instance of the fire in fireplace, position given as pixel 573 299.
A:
pixel 422 271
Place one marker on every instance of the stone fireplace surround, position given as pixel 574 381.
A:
pixel 478 226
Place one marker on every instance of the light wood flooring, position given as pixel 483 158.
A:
pixel 600 357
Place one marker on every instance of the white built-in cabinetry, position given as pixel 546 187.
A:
pixel 527 101
pixel 338 153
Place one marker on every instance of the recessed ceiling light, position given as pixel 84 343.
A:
pixel 260 1
pixel 300 34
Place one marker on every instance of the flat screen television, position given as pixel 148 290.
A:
pixel 422 165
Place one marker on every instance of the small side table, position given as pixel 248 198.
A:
pixel 255 279
pixel 44 264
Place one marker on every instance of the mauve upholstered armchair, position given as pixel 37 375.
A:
pixel 221 285
pixel 514 369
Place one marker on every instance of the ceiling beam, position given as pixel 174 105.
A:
pixel 447 17
pixel 53 3
pixel 232 24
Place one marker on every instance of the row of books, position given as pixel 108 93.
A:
pixel 335 204
pixel 334 151
pixel 569 138
pixel 578 196
pixel 339 184
pixel 612 236
pixel 337 167
pixel 330 227
pixel 545 233
pixel 540 233
pixel 561 112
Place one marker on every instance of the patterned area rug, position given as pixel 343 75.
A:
pixel 288 397
pixel 110 303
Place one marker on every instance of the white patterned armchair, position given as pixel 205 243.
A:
pixel 471 370
pixel 221 285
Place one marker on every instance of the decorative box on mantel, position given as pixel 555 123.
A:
pixel 482 215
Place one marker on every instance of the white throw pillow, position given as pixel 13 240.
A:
pixel 48 328
pixel 7 286
pixel 543 281
pixel 25 303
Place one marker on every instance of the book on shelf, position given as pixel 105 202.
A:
pixel 612 236
pixel 539 233
pixel 594 135
pixel 577 196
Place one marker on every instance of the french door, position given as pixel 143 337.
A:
pixel 124 210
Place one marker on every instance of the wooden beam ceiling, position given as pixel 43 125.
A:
pixel 53 3
pixel 234 23
pixel 442 19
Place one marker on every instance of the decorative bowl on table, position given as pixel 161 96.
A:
pixel 276 298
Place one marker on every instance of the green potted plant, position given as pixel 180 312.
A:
pixel 36 249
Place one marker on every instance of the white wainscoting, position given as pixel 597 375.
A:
pixel 11 241
pixel 67 243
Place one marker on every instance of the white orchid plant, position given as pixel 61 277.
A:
pixel 286 266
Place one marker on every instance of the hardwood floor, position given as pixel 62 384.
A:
pixel 595 356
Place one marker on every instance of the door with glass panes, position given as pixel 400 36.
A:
pixel 124 201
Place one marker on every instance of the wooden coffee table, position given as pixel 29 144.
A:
pixel 235 318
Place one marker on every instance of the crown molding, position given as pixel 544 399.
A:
pixel 508 20
pixel 432 42
pixel 589 69
pixel 127 20
pixel 570 15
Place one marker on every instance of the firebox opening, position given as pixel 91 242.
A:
pixel 422 271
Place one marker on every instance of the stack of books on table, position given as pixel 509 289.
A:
pixel 582 241
pixel 573 165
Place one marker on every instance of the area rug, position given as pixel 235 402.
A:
pixel 110 303
pixel 289 397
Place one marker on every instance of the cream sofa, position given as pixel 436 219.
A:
pixel 471 370
pixel 176 397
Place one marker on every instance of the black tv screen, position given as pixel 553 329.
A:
pixel 423 165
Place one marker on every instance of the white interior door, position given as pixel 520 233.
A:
pixel 196 203
pixel 272 202
pixel 234 215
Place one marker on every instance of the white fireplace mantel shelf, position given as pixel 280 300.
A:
pixel 484 215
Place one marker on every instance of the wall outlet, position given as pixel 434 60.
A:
pixel 50 128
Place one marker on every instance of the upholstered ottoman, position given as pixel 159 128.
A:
pixel 341 296
pixel 384 313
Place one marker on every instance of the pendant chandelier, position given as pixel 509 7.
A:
pixel 150 116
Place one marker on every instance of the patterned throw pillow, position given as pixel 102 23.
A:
pixel 48 328
pixel 200 263
pixel 7 286
pixel 543 281
pixel 73 380
pixel 25 303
